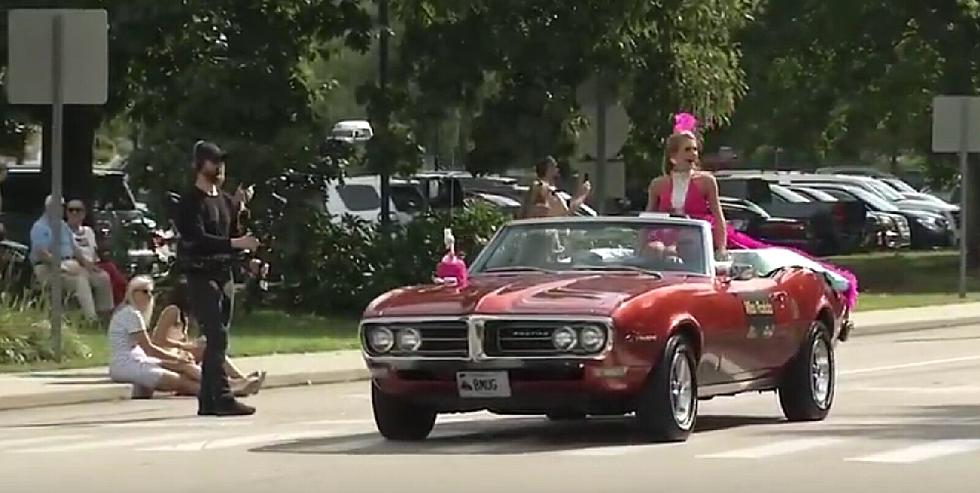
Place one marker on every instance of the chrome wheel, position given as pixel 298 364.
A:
pixel 821 372
pixel 682 390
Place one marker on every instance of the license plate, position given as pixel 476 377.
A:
pixel 483 384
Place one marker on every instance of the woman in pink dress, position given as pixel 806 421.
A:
pixel 684 189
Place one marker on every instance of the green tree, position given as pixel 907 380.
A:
pixel 227 70
pixel 515 66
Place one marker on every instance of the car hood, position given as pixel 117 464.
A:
pixel 558 294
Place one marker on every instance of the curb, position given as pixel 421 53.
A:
pixel 120 392
pixel 914 326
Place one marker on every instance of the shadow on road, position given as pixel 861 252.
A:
pixel 512 436
pixel 947 422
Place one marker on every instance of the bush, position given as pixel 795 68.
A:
pixel 331 267
pixel 25 335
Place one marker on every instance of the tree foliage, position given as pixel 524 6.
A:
pixel 516 65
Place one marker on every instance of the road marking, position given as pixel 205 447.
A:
pixel 178 424
pixel 919 364
pixel 921 452
pixel 917 390
pixel 773 449
pixel 223 443
pixel 19 442
pixel 119 442
pixel 616 450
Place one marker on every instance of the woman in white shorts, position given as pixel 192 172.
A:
pixel 135 358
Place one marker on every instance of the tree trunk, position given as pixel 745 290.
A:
pixel 78 152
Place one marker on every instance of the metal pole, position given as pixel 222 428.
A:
pixel 600 168
pixel 54 209
pixel 383 85
pixel 964 188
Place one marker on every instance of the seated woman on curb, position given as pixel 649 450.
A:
pixel 135 358
pixel 170 332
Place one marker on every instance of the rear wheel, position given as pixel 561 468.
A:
pixel 668 406
pixel 807 390
pixel 398 419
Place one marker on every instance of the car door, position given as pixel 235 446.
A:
pixel 760 319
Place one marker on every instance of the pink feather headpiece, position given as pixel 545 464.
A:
pixel 685 123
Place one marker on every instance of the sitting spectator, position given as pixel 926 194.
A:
pixel 136 359
pixel 90 284
pixel 88 247
pixel 171 332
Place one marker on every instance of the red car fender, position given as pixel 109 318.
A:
pixel 643 331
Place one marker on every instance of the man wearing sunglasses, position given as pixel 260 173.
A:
pixel 90 283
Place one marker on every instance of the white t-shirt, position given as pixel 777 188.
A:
pixel 125 322
pixel 85 241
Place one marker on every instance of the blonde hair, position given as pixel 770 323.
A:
pixel 672 145
pixel 140 282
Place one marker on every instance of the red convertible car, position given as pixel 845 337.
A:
pixel 571 317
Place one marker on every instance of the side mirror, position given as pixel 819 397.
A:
pixel 734 271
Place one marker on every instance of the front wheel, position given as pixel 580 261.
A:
pixel 400 420
pixel 668 406
pixel 807 390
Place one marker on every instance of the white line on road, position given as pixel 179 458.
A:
pixel 958 389
pixel 19 442
pixel 919 364
pixel 921 452
pixel 773 449
pixel 119 442
pixel 223 443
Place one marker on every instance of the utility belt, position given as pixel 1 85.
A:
pixel 219 264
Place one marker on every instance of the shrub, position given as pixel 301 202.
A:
pixel 330 267
pixel 25 335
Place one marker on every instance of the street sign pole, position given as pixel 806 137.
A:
pixel 57 57
pixel 600 169
pixel 964 188
pixel 55 209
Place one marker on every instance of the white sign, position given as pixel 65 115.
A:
pixel 85 56
pixel 949 115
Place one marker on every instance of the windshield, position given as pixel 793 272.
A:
pixel 875 202
pixel 648 246
pixel 900 185
pixel 787 194
pixel 884 190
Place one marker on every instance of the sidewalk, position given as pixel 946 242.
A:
pixel 61 387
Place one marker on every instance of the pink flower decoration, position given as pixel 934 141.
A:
pixel 685 123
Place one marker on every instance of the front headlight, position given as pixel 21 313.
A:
pixel 380 339
pixel 592 338
pixel 409 340
pixel 564 339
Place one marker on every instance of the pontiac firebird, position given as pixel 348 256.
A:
pixel 572 317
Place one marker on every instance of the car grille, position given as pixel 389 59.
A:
pixel 524 338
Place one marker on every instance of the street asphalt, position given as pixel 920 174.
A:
pixel 906 418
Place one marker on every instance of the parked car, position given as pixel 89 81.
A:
pixel 754 221
pixel 927 229
pixel 569 317
pixel 840 227
pixel 884 230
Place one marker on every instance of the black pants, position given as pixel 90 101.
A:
pixel 211 300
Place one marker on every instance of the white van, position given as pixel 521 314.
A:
pixel 352 131
pixel 360 196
